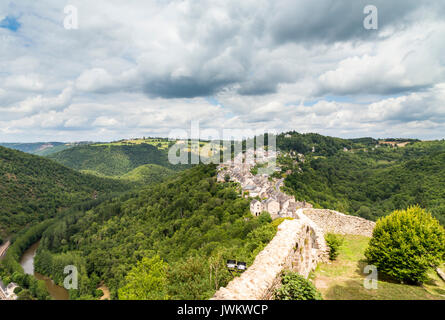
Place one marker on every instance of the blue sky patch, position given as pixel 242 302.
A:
pixel 10 23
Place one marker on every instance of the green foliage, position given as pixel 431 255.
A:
pixel 374 183
pixel 188 218
pixel 11 270
pixel 334 243
pixel 33 189
pixel 149 173
pixel 278 221
pixel 25 295
pixel 296 287
pixel 146 281
pixel 406 244
pixel 18 290
pixel 254 170
pixel 303 143
pixel 113 159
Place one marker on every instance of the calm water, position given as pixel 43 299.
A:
pixel 27 262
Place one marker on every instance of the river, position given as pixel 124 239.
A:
pixel 27 262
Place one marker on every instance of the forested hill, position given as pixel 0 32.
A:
pixel 193 223
pixel 320 145
pixel 34 188
pixel 375 181
pixel 113 159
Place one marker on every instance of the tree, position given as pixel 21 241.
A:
pixel 406 244
pixel 296 287
pixel 334 243
pixel 146 281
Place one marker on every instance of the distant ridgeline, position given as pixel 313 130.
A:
pixel 41 148
pixel 365 177
pixel 320 145
pixel 33 189
pixel 114 159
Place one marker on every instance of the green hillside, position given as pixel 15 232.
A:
pixel 113 159
pixel 148 173
pixel 303 143
pixel 373 183
pixel 193 223
pixel 343 279
pixel 34 188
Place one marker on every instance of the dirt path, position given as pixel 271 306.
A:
pixel 106 292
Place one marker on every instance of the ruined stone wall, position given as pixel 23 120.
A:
pixel 336 222
pixel 298 246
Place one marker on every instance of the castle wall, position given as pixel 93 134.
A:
pixel 339 223
pixel 299 246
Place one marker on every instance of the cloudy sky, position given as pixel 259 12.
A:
pixel 141 68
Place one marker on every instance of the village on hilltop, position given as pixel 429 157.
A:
pixel 262 187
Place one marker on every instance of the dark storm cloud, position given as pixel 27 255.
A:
pixel 182 87
pixel 338 20
pixel 267 27
pixel 154 64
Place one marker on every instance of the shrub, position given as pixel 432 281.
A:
pixel 278 221
pixel 296 287
pixel 406 244
pixel 334 243
pixel 264 217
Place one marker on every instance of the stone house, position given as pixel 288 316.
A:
pixel 256 207
pixel 272 206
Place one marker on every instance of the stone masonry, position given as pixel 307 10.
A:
pixel 299 246
pixel 340 223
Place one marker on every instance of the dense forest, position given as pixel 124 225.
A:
pixel 33 189
pixel 113 159
pixel 191 222
pixel 148 173
pixel 322 145
pixel 372 183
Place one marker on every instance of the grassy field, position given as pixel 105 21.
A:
pixel 161 144
pixel 343 279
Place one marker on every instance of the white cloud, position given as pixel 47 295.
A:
pixel 28 82
pixel 40 103
pixel 137 68
pixel 105 122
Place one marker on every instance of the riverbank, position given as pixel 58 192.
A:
pixel 27 262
